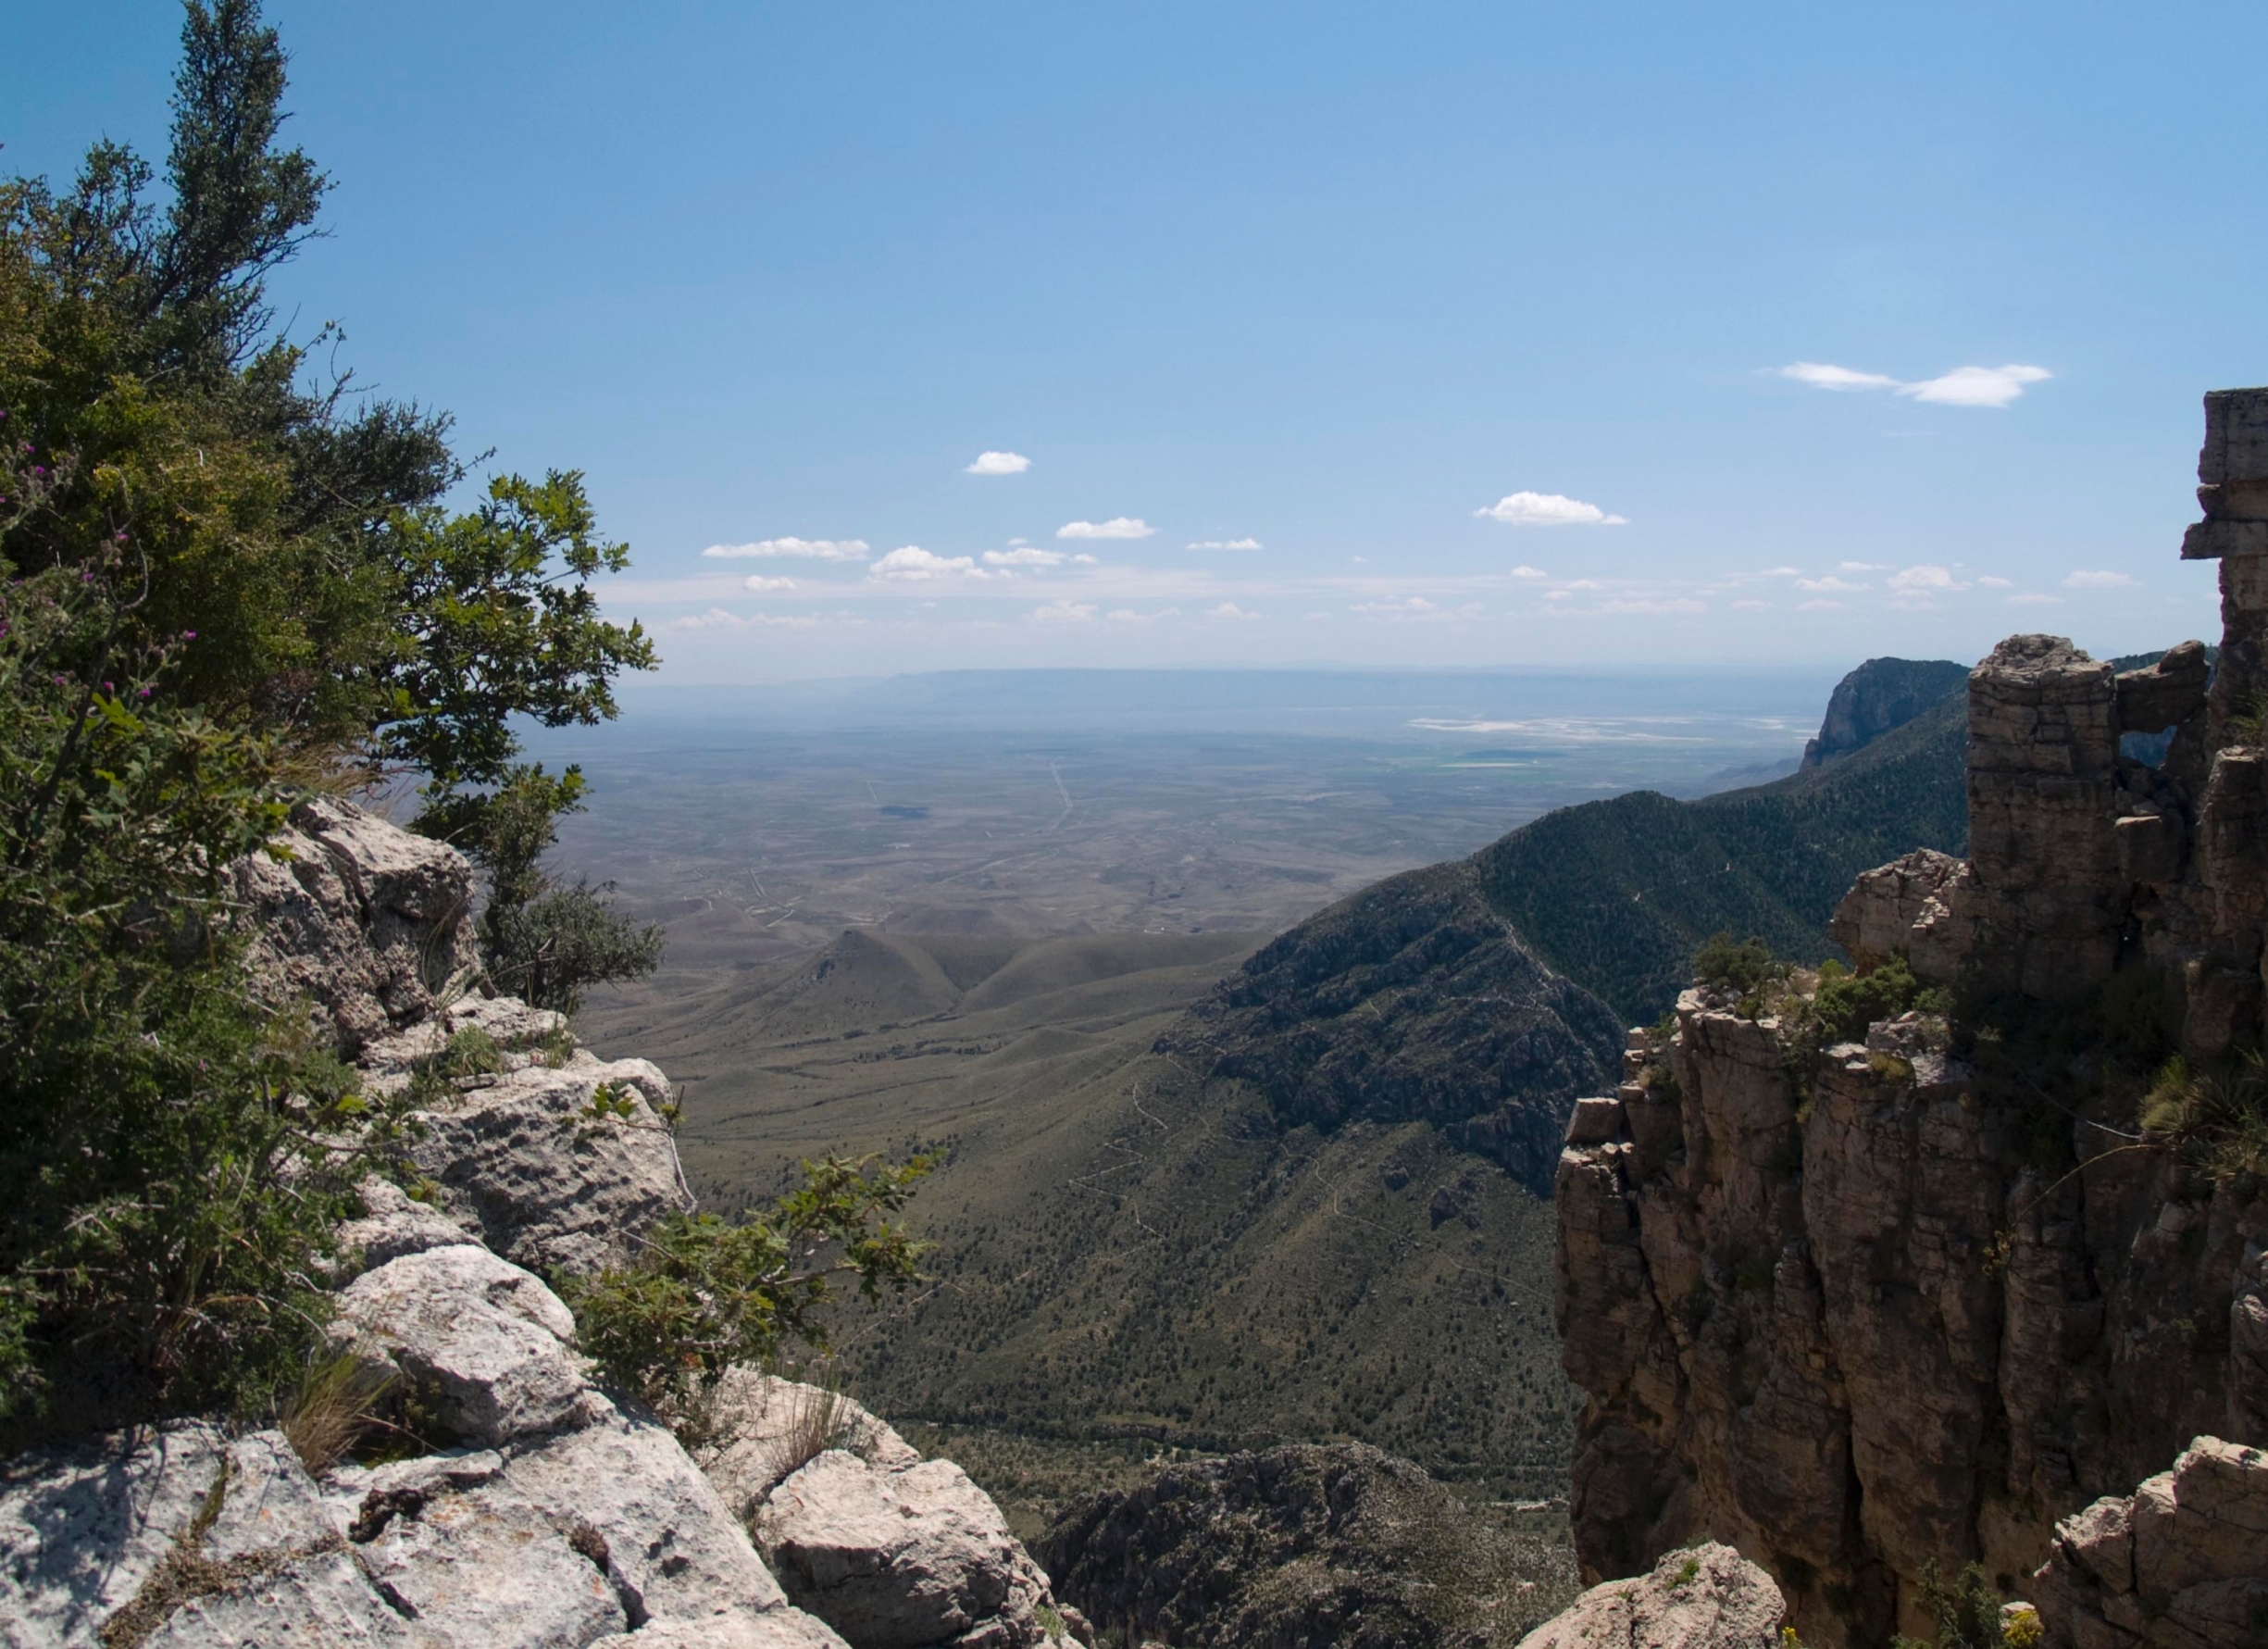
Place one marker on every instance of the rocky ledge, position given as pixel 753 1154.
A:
pixel 559 1515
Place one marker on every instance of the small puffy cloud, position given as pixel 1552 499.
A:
pixel 1226 544
pixel 1782 572
pixel 1991 582
pixel 1228 610
pixel 998 464
pixel 2033 599
pixel 1084 559
pixel 1963 386
pixel 1525 571
pixel 1026 557
pixel 1822 376
pixel 758 582
pixel 1547 509
pixel 1128 615
pixel 1861 567
pixel 1117 527
pixel 1065 612
pixel 1830 584
pixel 1417 606
pixel 1925 581
pixel 1559 596
pixel 913 563
pixel 1977 386
pixel 808 549
pixel 1585 584
pixel 2098 581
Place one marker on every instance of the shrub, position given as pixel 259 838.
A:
pixel 1968 1613
pixel 705 1294
pixel 1744 967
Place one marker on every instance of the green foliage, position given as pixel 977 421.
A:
pixel 545 943
pixel 1846 1004
pixel 220 579
pixel 167 1148
pixel 1729 965
pixel 2216 1118
pixel 1968 1613
pixel 707 1294
pixel 471 1051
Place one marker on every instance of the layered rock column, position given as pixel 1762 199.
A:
pixel 2044 884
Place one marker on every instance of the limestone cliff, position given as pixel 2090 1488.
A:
pixel 1880 697
pixel 1868 1305
pixel 531 1507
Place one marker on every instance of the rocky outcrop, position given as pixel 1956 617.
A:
pixel 1880 696
pixel 1858 1311
pixel 540 1511
pixel 1708 1597
pixel 1335 1544
pixel 2182 1561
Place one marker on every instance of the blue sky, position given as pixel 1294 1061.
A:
pixel 1329 280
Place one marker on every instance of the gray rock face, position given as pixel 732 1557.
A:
pixel 2181 1562
pixel 394 1226
pixel 82 1533
pixel 674 1549
pixel 901 1559
pixel 1705 1597
pixel 547 1186
pixel 767 1429
pixel 489 1344
pixel 485 1568
pixel 363 921
pixel 778 1628
pixel 320 1601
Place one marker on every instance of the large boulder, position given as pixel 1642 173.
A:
pixel 2182 1561
pixel 551 1183
pixel 901 1559
pixel 359 919
pixel 764 1429
pixel 483 1343
pixel 1706 1598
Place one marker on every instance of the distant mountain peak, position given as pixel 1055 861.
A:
pixel 1881 696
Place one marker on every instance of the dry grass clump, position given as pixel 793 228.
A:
pixel 333 1408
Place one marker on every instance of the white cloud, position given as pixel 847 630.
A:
pixel 1065 612
pixel 1977 386
pixel 2098 581
pixel 1991 582
pixel 758 582
pixel 1586 584
pixel 1862 567
pixel 1558 596
pixel 1918 580
pixel 1819 605
pixel 1128 615
pixel 809 549
pixel 1360 560
pixel 2033 599
pixel 1026 557
pixel 1819 375
pixel 998 464
pixel 1751 606
pixel 1547 509
pixel 1117 527
pixel 1228 609
pixel 1831 583
pixel 718 619
pixel 1084 559
pixel 1963 386
pixel 1529 572
pixel 1417 606
pixel 913 563
pixel 1228 544
pixel 1677 604
pixel 1782 572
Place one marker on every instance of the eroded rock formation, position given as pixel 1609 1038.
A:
pixel 1854 1313
pixel 560 1515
